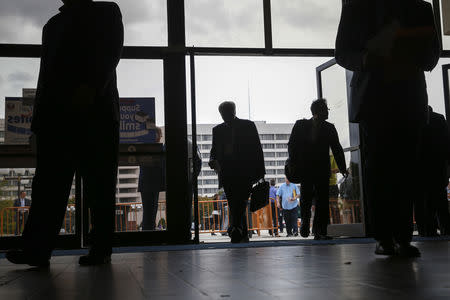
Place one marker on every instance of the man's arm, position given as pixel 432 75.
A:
pixel 259 155
pixel 292 144
pixel 41 86
pixel 107 51
pixel 337 150
pixel 351 40
pixel 213 162
pixel 431 55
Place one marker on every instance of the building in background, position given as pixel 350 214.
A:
pixel 274 139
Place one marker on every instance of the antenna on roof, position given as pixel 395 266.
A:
pixel 248 98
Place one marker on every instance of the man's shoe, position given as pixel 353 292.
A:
pixel 296 234
pixel 304 229
pixel 94 259
pixel 21 257
pixel 236 235
pixel 289 235
pixel 406 250
pixel 321 237
pixel 384 248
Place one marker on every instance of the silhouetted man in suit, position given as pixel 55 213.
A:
pixel 21 214
pixel 388 45
pixel 309 148
pixel 237 156
pixel 76 126
pixel 431 211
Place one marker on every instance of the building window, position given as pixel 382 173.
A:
pixel 266 137
pixel 205 165
pixel 206 137
pixel 282 146
pixel 280 172
pixel 206 146
pixel 210 181
pixel 205 155
pixel 282 137
pixel 281 180
pixel 268 146
pixel 281 163
pixel 269 154
pixel 270 163
pixel 282 154
pixel 270 172
pixel 209 173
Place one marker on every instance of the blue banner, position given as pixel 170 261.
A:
pixel 137 121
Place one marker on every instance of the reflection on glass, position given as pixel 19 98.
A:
pixel 305 23
pixel 223 23
pixel 345 194
pixel 15 201
pixel 334 87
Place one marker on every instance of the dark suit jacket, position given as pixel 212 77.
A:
pixel 80 46
pixel 360 21
pixel 246 163
pixel 312 158
pixel 17 202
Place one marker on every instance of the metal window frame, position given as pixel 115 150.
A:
pixel 173 56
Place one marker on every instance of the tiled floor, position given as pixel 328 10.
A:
pixel 342 271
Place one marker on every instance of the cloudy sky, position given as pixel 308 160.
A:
pixel 279 89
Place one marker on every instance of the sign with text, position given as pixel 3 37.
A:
pixel 18 117
pixel 137 121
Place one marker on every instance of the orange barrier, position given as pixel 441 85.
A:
pixel 12 220
pixel 214 217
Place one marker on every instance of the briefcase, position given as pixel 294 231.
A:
pixel 259 195
pixel 292 171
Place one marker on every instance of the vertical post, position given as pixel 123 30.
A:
pixel 437 18
pixel 178 190
pixel 194 146
pixel 268 26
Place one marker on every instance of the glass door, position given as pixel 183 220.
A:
pixel 346 194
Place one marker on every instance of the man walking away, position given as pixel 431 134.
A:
pixel 237 157
pixel 388 45
pixel 309 147
pixel 274 203
pixel 76 126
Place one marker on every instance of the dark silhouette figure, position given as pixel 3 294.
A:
pixel 76 126
pixel 388 45
pixel 151 182
pixel 21 214
pixel 309 149
pixel 431 211
pixel 237 157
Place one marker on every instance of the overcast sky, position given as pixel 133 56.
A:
pixel 279 89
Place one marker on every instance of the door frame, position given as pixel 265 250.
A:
pixel 357 229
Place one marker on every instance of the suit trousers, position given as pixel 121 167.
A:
pixel 150 197
pixel 290 216
pixel 318 189
pixel 238 193
pixel 391 156
pixel 93 152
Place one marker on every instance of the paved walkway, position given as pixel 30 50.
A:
pixel 343 270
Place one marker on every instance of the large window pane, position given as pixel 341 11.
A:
pixel 305 23
pixel 224 23
pixel 145 21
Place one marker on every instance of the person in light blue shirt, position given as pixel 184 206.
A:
pixel 289 194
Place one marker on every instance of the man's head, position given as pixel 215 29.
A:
pixel 287 181
pixel 227 110
pixel 319 109
pixel 272 182
pixel 23 194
